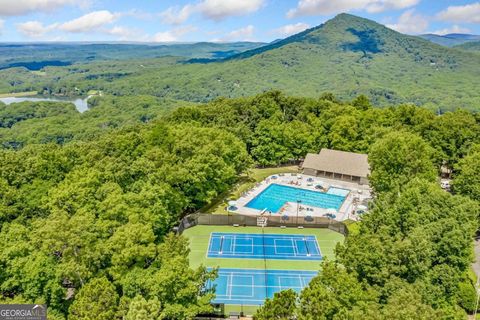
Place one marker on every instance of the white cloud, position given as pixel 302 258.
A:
pixel 138 14
pixel 220 9
pixel 95 22
pixel 89 22
pixel 384 5
pixel 453 29
pixel 2 24
pixel 410 23
pixel 242 34
pixel 173 35
pixel 166 36
pixel 211 9
pixel 124 34
pixel 326 7
pixel 469 13
pixel 35 29
pixel 176 15
pixel 291 29
pixel 21 7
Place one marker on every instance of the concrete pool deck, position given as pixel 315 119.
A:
pixel 357 194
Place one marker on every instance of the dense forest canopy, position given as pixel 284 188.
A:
pixel 36 56
pixel 85 218
pixel 43 122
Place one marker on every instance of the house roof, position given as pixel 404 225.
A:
pixel 348 163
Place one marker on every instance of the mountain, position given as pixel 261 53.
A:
pixel 35 56
pixel 450 40
pixel 470 46
pixel 347 56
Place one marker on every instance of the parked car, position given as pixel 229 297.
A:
pixel 445 184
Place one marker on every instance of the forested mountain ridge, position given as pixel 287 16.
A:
pixel 472 46
pixel 347 55
pixel 450 40
pixel 35 56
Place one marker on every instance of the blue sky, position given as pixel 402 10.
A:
pixel 218 20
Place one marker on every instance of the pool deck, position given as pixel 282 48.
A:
pixel 357 194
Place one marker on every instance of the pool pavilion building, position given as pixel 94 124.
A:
pixel 341 165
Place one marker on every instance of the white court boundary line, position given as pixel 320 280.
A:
pixel 286 275
pixel 296 277
pixel 235 245
pixel 229 285
pixel 251 286
pixel 251 236
pixel 294 253
pixel 318 247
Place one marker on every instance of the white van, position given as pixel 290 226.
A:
pixel 445 184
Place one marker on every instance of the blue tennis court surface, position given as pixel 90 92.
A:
pixel 252 287
pixel 263 246
pixel 275 196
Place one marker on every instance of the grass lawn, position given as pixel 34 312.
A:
pixel 199 237
pixel 18 94
pixel 246 309
pixel 39 73
pixel 247 181
pixel 94 92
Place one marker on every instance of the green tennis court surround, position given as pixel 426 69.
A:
pixel 261 246
pixel 243 282
pixel 199 237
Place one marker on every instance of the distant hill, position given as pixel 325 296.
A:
pixel 450 40
pixel 470 46
pixel 347 56
pixel 35 56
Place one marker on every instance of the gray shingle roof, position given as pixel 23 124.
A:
pixel 349 163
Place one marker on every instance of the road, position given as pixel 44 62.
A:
pixel 476 263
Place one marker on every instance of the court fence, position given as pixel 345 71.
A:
pixel 270 221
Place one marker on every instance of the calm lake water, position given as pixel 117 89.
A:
pixel 80 104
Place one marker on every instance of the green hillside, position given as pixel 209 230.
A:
pixel 450 40
pixel 35 56
pixel 471 46
pixel 347 55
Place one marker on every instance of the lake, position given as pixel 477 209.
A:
pixel 80 104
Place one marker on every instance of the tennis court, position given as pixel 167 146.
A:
pixel 263 246
pixel 252 287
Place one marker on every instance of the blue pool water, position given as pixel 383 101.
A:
pixel 338 191
pixel 275 196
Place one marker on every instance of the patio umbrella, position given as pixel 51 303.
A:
pixel 232 203
pixel 331 211
pixel 362 207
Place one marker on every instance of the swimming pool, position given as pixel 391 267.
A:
pixel 338 191
pixel 275 196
